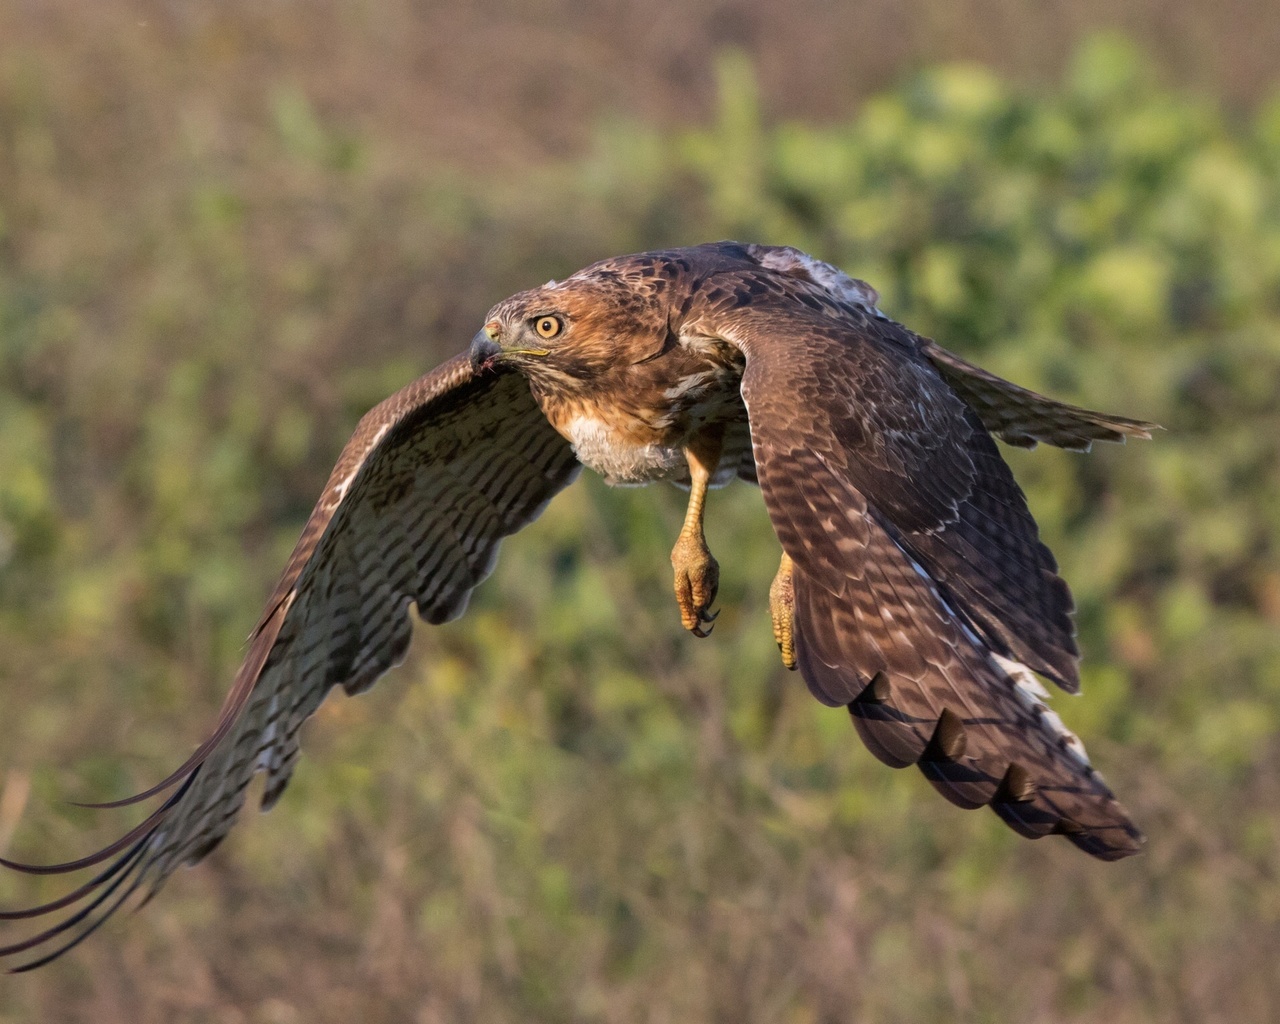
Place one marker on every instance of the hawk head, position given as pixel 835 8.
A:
pixel 573 333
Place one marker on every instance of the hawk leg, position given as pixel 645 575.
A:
pixel 697 574
pixel 782 609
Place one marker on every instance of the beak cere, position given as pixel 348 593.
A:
pixel 483 351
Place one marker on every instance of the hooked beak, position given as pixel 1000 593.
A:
pixel 484 350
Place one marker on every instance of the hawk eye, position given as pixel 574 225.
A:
pixel 548 326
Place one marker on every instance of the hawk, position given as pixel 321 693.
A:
pixel 913 589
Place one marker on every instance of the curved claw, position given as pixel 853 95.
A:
pixel 708 621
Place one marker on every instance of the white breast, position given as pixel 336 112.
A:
pixel 619 461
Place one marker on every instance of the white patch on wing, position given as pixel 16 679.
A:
pixel 1026 687
pixel 1022 675
pixel 937 594
pixel 845 288
pixel 1031 692
pixel 341 487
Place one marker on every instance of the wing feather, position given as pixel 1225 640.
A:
pixel 413 513
pixel 922 591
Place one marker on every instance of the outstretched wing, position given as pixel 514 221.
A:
pixel 923 594
pixel 413 513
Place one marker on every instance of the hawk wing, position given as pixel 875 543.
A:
pixel 413 513
pixel 923 595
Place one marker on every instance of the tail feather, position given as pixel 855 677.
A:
pixel 1023 418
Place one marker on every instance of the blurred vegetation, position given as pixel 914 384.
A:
pixel 562 808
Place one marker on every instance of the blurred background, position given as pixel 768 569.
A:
pixel 227 230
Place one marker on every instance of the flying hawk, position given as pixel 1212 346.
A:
pixel 913 589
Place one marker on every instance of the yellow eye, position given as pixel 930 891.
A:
pixel 548 326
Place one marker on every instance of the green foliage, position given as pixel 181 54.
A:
pixel 563 808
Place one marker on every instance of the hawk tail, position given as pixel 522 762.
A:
pixel 1023 418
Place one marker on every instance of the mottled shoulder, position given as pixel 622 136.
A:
pixel 794 263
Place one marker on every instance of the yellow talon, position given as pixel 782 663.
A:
pixel 782 609
pixel 697 573
pixel 697 579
